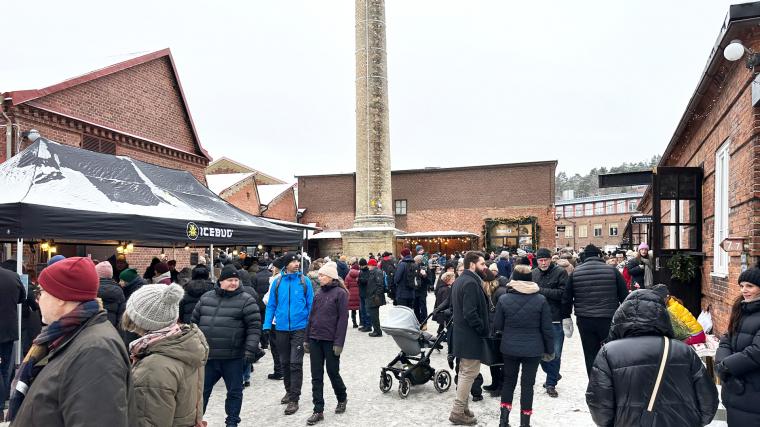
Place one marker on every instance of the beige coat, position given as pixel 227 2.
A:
pixel 168 380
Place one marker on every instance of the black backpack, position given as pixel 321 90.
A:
pixel 410 276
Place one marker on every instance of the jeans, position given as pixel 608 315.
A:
pixel 527 380
pixel 247 372
pixel 593 331
pixel 406 302
pixel 364 314
pixel 321 355
pixel 374 315
pixel 552 368
pixel 231 370
pixel 469 369
pixel 290 347
pixel 420 308
pixel 6 351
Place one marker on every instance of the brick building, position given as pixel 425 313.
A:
pixel 501 205
pixel 135 108
pixel 718 136
pixel 599 220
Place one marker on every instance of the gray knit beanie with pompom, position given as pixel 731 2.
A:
pixel 154 307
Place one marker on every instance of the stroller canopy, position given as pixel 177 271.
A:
pixel 402 319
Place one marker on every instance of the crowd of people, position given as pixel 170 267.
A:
pixel 157 343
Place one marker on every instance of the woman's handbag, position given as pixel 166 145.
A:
pixel 648 417
pixel 491 345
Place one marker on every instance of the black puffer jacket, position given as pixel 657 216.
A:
pixel 113 300
pixel 524 318
pixel 11 294
pixel 262 281
pixel 552 286
pixel 231 322
pixel 595 289
pixel 625 371
pixel 740 354
pixel 194 289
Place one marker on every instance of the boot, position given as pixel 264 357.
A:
pixel 525 418
pixel 341 408
pixel 285 399
pixel 315 418
pixel 551 391
pixel 504 417
pixel 292 408
pixel 461 419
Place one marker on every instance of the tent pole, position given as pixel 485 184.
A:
pixel 211 260
pixel 19 270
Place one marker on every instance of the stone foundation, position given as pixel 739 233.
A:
pixel 361 242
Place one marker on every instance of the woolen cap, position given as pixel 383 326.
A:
pixel 751 275
pixel 104 270
pixel 504 254
pixel 330 269
pixel 161 268
pixel 71 279
pixel 228 272
pixel 363 262
pixel 527 277
pixel 372 262
pixel 643 246
pixel 128 275
pixel 405 252
pixel 287 258
pixel 154 307
pixel 543 253
pixel 55 259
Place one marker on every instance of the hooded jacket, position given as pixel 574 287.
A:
pixel 194 289
pixel 168 380
pixel 406 266
pixel 625 370
pixel 740 354
pixel 293 302
pixel 552 286
pixel 113 300
pixel 328 319
pixel 352 283
pixel 231 322
pixel 524 318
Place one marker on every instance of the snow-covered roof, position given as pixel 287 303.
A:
pixel 447 233
pixel 327 235
pixel 267 193
pixel 221 182
pixel 291 224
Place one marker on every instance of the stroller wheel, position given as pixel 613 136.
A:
pixel 404 387
pixel 442 381
pixel 386 382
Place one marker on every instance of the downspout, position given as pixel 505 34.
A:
pixel 8 135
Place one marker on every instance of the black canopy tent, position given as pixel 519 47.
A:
pixel 54 191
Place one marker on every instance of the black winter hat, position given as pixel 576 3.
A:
pixel 228 272
pixel 751 275
pixel 524 261
pixel 287 258
pixel 543 253
pixel 200 272
pixel 526 277
pixel 591 250
pixel 363 262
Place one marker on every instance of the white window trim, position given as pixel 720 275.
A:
pixel 721 209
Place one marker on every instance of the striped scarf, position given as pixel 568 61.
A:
pixel 50 338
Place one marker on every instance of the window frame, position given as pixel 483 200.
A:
pixel 721 183
pixel 600 228
pixel 400 205
pixel 610 227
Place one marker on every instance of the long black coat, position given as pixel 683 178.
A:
pixel 740 354
pixel 525 322
pixel 595 289
pixel 113 300
pixel 11 294
pixel 470 316
pixel 625 370
pixel 375 291
pixel 552 286
pixel 231 322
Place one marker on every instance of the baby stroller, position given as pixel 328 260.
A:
pixel 411 366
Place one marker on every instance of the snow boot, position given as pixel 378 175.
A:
pixel 461 419
pixel 285 399
pixel 551 391
pixel 525 418
pixel 315 418
pixel 292 408
pixel 504 417
pixel 341 408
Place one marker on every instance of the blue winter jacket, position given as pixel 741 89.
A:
pixel 292 305
pixel 505 268
pixel 406 266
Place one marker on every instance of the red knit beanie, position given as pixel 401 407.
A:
pixel 72 279
pixel 372 262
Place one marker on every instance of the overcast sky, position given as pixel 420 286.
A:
pixel 271 83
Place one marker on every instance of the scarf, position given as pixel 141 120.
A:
pixel 50 338
pixel 648 277
pixel 140 344
pixel 524 287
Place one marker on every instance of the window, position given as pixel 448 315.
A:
pixel 620 206
pixel 597 230
pixel 578 210
pixel 569 211
pixel 589 208
pixel 613 228
pixel 583 231
pixel 98 145
pixel 610 207
pixel 568 232
pixel 599 208
pixel 720 257
pixel 633 205
pixel 559 211
pixel 400 207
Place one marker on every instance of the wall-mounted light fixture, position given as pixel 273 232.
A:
pixel 735 50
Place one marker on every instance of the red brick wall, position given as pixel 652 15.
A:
pixel 244 197
pixel 726 114
pixel 283 207
pixel 589 221
pixel 143 100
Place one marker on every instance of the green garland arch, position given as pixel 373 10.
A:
pixel 518 220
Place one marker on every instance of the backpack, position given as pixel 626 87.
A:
pixel 389 270
pixel 410 277
pixel 277 288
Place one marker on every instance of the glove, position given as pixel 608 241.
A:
pixel 450 359
pixel 337 350
pixel 306 348
pixel 547 357
pixel 567 327
pixel 722 371
pixel 249 358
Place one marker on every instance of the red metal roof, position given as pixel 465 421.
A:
pixel 21 96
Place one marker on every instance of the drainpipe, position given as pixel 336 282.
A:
pixel 8 135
